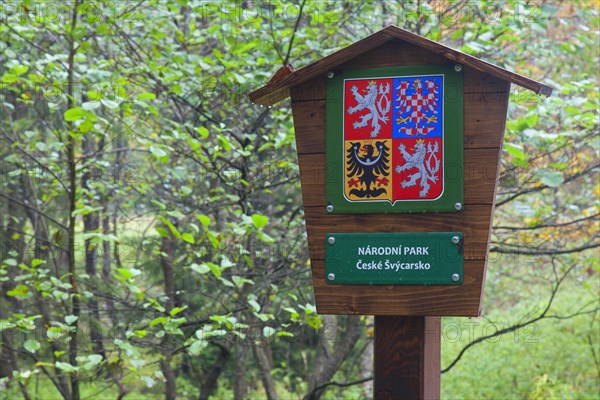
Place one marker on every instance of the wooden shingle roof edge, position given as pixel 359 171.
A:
pixel 278 88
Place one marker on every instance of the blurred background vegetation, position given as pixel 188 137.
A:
pixel 151 227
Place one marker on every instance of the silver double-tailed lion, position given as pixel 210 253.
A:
pixel 417 160
pixel 378 108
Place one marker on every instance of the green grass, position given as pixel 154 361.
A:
pixel 551 360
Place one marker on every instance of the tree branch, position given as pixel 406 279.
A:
pixel 513 328
pixel 344 384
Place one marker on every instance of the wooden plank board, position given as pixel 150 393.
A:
pixel 474 222
pixel 480 173
pixel 475 82
pixel 393 54
pixel 312 90
pixel 459 300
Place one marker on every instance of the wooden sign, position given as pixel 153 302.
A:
pixel 336 138
pixel 394 140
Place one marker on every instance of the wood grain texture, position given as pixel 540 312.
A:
pixel 407 358
pixel 275 91
pixel 393 54
pixel 451 300
pixel 484 117
pixel 475 82
pixel 473 223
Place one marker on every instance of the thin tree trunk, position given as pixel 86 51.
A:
pixel 168 251
pixel 91 223
pixel 366 367
pixel 239 386
pixel 265 367
pixel 71 150
pixel 110 305
pixel 330 358
pixel 212 377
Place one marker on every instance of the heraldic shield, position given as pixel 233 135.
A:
pixel 393 136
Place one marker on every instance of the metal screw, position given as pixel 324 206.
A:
pixel 458 206
pixel 330 74
pixel 457 67
pixel 331 240
pixel 331 277
pixel 455 239
pixel 455 277
pixel 329 208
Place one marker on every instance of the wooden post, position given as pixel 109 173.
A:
pixel 407 358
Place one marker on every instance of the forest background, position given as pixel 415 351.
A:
pixel 151 230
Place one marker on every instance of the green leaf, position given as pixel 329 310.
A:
pixel 20 69
pixel 19 291
pixel 171 227
pixel 146 96
pixel 226 282
pixel 515 151
pixel 255 306
pixel 259 220
pixel 551 178
pixel 74 114
pixel 11 262
pixel 159 204
pixel 90 105
pixel 201 269
pixel 93 360
pixel 268 331
pixel 203 131
pixel 215 269
pixel 239 281
pixel 36 261
pixel 9 78
pixel 70 319
pixel 31 345
pixel 188 237
pixel 109 104
pixel 161 231
pixel 217 332
pixel 176 311
pixel 204 220
pixel 314 321
pixel 64 366
pixel 196 347
pixel 124 273
pixel 159 153
pixel 156 321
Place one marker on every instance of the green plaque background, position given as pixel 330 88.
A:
pixel 453 143
pixel 444 257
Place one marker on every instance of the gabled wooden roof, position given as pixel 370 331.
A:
pixel 278 89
